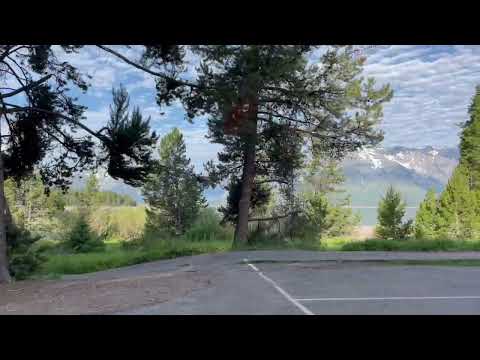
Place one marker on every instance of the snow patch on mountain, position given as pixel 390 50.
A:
pixel 369 154
pixel 426 162
pixel 401 156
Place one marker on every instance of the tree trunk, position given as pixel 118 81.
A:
pixel 241 230
pixel 248 94
pixel 4 274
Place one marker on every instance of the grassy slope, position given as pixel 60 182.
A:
pixel 116 256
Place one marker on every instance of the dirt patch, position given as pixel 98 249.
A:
pixel 363 232
pixel 87 296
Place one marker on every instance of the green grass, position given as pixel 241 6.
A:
pixel 463 262
pixel 329 244
pixel 411 245
pixel 466 262
pixel 115 256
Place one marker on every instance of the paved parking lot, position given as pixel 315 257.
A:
pixel 363 288
pixel 289 284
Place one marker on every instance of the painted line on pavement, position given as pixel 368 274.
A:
pixel 394 298
pixel 280 290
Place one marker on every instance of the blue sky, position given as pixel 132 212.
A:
pixel 433 86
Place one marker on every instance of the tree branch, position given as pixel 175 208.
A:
pixel 27 87
pixel 271 181
pixel 274 217
pixel 17 108
pixel 143 68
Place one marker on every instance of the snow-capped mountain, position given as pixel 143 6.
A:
pixel 369 172
pixel 427 167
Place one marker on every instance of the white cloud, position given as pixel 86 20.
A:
pixel 433 86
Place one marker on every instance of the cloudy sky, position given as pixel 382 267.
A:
pixel 433 86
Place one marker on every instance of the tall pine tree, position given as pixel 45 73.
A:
pixel 172 191
pixel 268 104
pixel 425 220
pixel 470 142
pixel 391 211
pixel 458 208
pixel 458 215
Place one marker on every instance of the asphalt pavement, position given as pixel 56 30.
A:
pixel 322 283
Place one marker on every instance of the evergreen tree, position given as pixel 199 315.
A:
pixel 470 142
pixel 458 213
pixel 425 220
pixel 323 198
pixel 172 192
pixel 91 194
pixel 80 237
pixel 458 208
pixel 391 211
pixel 317 208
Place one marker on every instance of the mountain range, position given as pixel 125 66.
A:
pixel 369 172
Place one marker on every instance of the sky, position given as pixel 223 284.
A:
pixel 433 86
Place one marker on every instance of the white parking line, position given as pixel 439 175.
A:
pixel 279 289
pixel 395 298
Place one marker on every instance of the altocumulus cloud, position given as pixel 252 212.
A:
pixel 433 86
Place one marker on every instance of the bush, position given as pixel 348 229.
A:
pixel 131 244
pixel 207 227
pixel 80 237
pixel 45 245
pixel 24 258
pixel 22 265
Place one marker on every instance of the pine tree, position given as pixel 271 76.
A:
pixel 470 142
pixel 80 237
pixel 172 192
pixel 458 208
pixel 92 190
pixel 425 220
pixel 391 211
pixel 323 181
pixel 458 213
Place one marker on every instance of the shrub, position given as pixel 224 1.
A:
pixel 134 243
pixel 207 227
pixel 80 237
pixel 22 265
pixel 45 245
pixel 24 258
